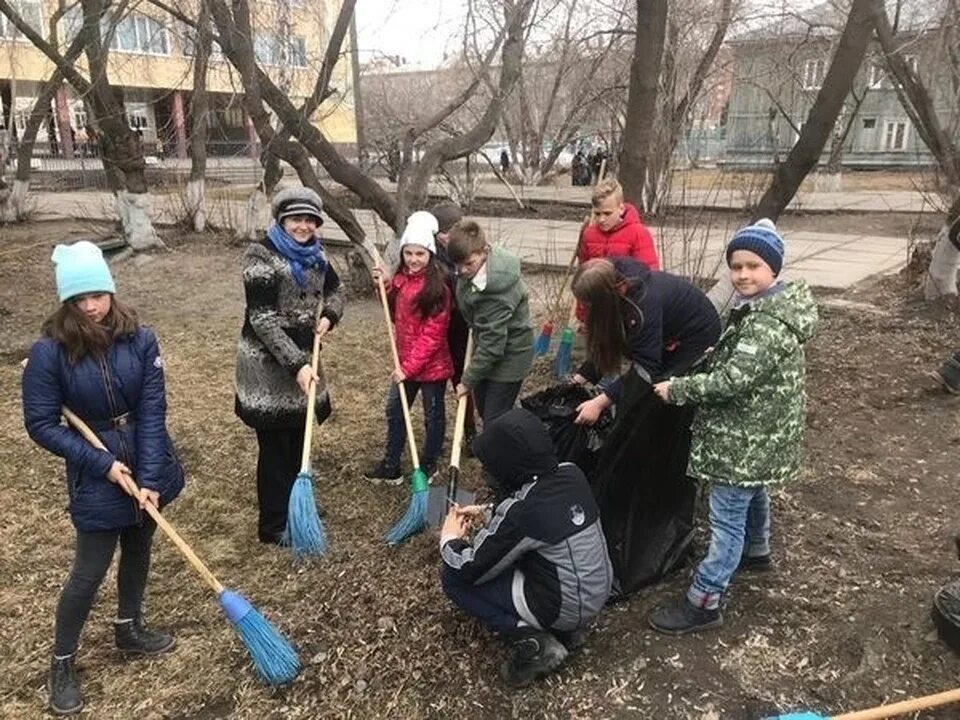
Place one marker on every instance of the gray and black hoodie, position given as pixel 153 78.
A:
pixel 546 532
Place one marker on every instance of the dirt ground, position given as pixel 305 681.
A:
pixel 860 543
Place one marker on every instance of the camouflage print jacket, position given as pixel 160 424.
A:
pixel 749 428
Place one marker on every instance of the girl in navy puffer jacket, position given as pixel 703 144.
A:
pixel 97 360
pixel 421 302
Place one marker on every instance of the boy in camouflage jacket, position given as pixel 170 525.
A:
pixel 748 433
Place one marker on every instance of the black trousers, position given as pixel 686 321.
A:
pixel 457 335
pixel 278 463
pixel 93 555
pixel 495 398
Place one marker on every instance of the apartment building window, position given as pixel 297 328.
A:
pixel 30 11
pixel 813 71
pixel 140 34
pixel 80 119
pixel 878 74
pixel 188 40
pixel 268 50
pixel 298 52
pixel 895 135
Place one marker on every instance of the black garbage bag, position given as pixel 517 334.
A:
pixel 647 501
pixel 946 610
pixel 557 408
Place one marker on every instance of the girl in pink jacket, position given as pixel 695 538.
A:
pixel 420 301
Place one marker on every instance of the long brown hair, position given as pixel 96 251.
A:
pixel 432 296
pixel 81 336
pixel 595 284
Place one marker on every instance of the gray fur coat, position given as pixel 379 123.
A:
pixel 277 338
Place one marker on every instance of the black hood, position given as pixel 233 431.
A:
pixel 515 448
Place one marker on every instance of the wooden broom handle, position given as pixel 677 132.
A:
pixel 461 411
pixel 311 406
pixel 411 441
pixel 901 708
pixel 131 487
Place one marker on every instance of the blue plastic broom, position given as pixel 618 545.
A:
pixel 305 531
pixel 414 519
pixel 882 711
pixel 272 654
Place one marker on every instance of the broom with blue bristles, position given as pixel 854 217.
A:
pixel 272 654
pixel 882 711
pixel 304 530
pixel 415 518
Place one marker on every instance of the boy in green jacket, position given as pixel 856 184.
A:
pixel 492 297
pixel 748 432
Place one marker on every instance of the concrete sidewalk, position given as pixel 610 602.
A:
pixel 824 259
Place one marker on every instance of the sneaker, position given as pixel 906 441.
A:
pixel 132 637
pixel 532 656
pixel 63 689
pixel 949 375
pixel 383 473
pixel 756 563
pixel 682 618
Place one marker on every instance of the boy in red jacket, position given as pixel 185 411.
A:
pixel 615 229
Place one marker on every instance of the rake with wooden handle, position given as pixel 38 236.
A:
pixel 883 711
pixel 272 654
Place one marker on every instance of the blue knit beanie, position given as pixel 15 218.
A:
pixel 761 239
pixel 80 268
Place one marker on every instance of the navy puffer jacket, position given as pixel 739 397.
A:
pixel 129 382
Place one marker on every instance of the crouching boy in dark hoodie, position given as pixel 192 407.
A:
pixel 537 572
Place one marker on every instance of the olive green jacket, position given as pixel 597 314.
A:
pixel 499 316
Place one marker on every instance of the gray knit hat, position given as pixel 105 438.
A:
pixel 297 201
pixel 447 214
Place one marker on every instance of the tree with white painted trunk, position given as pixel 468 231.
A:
pixel 122 152
pixel 917 101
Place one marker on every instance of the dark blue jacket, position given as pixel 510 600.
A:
pixel 128 381
pixel 669 323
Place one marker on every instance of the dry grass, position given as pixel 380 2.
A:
pixel 844 624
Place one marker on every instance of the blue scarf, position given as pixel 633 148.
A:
pixel 300 257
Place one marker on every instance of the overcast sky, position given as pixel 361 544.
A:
pixel 418 30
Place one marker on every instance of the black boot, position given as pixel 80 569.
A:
pixel 132 637
pixel 534 654
pixel 949 375
pixel 681 618
pixel 755 563
pixel 63 688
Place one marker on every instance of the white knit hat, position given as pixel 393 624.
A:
pixel 421 230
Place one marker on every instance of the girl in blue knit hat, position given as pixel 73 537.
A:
pixel 96 359
pixel 748 431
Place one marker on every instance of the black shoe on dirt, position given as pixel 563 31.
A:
pixel 132 637
pixel 682 618
pixel 755 563
pixel 383 473
pixel 573 640
pixel 64 690
pixel 533 655
pixel 949 375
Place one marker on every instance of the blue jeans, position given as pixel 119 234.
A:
pixel 491 602
pixel 739 526
pixel 434 420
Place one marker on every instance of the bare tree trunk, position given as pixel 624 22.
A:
pixel 16 210
pixel 640 126
pixel 199 105
pixel 917 102
pixel 823 114
pixel 941 278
